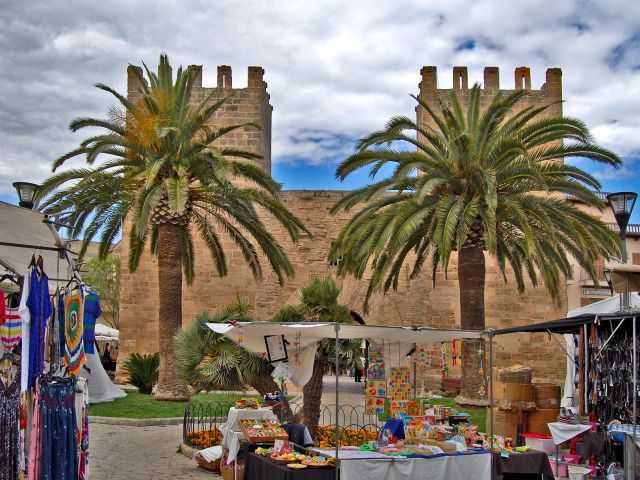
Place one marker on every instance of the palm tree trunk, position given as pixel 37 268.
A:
pixel 312 395
pixel 471 280
pixel 170 386
pixel 266 384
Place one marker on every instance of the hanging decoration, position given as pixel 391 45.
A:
pixel 240 339
pixel 482 391
pixel 400 383
pixel 74 356
pixel 296 350
pixel 443 363
pixel 376 392
pixel 454 355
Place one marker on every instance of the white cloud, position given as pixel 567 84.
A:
pixel 336 70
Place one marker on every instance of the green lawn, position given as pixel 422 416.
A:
pixel 478 415
pixel 137 405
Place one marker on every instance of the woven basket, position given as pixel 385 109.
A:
pixel 213 466
pixel 227 472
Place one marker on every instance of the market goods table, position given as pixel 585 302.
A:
pixel 257 467
pixel 442 467
pixel 525 465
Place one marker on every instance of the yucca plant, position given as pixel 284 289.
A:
pixel 163 172
pixel 480 180
pixel 319 303
pixel 206 360
pixel 143 370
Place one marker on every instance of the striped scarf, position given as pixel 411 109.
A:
pixel 11 329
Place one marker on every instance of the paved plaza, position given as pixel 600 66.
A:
pixel 121 452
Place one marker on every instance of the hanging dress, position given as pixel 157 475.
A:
pixel 25 317
pixel 3 315
pixel 74 356
pixel 10 430
pixel 40 310
pixel 82 423
pixel 92 311
pixel 59 441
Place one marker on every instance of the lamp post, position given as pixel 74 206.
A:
pixel 26 193
pixel 622 204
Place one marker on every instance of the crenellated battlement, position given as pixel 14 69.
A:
pixel 242 105
pixel 255 78
pixel 549 94
pixel 522 81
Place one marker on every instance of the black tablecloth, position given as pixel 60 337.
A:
pixel 257 467
pixel 524 465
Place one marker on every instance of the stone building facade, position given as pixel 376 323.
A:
pixel 416 302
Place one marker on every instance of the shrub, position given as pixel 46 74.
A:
pixel 202 439
pixel 143 370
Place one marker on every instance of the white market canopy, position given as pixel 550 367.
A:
pixel 253 333
pixel 608 305
pixel 23 233
pixel 105 333
pixel 253 336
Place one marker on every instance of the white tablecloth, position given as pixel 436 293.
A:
pixel 561 432
pixel 454 467
pixel 231 431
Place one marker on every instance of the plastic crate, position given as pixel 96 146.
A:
pixel 539 442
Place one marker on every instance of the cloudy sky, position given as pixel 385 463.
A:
pixel 336 70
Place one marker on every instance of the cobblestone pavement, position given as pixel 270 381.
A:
pixel 139 453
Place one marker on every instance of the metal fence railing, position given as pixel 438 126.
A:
pixel 200 427
pixel 203 419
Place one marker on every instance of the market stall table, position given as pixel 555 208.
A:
pixel 532 464
pixel 257 467
pixel 450 467
pixel 232 433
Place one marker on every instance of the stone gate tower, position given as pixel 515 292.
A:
pixel 416 302
pixel 243 105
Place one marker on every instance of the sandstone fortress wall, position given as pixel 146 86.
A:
pixel 417 301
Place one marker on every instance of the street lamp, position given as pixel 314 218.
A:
pixel 607 276
pixel 26 193
pixel 622 204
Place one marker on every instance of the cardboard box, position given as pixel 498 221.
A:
pixel 513 391
pixel 514 374
pixel 506 422
pixel 547 395
pixel 540 428
pixel 548 404
pixel 538 420
pixel 515 405
pixel 446 447
pixel 544 415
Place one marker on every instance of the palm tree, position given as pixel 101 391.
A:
pixel 319 303
pixel 166 176
pixel 479 180
pixel 206 360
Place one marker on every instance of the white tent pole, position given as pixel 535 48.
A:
pixel 491 394
pixel 337 434
pixel 585 363
pixel 635 397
